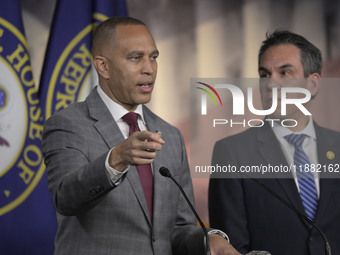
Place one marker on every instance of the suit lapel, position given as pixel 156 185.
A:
pixel 112 136
pixel 134 180
pixel 105 123
pixel 152 124
pixel 160 182
pixel 269 146
pixel 325 143
pixel 271 151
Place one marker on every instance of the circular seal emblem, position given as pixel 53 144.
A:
pixel 73 76
pixel 330 155
pixel 21 164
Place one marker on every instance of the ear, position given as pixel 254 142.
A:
pixel 314 83
pixel 102 66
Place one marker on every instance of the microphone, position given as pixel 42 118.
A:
pixel 290 206
pixel 166 173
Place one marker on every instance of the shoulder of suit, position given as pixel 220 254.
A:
pixel 161 122
pixel 326 131
pixel 241 137
pixel 74 108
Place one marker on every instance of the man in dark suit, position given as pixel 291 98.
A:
pixel 103 157
pixel 253 217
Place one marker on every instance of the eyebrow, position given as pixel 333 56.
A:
pixel 155 52
pixel 140 53
pixel 284 66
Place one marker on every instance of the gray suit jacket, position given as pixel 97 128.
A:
pixel 97 217
pixel 254 218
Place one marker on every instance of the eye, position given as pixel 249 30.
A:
pixel 135 58
pixel 154 57
pixel 264 75
pixel 285 73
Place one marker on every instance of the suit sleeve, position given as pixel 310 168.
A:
pixel 227 210
pixel 77 183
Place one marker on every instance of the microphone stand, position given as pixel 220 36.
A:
pixel 166 173
pixel 328 247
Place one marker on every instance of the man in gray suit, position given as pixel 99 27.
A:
pixel 99 163
pixel 253 217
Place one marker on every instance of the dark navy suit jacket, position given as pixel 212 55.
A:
pixel 256 220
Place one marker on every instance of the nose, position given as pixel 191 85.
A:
pixel 269 83
pixel 273 83
pixel 149 66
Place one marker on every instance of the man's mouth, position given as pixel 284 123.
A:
pixel 146 87
pixel 145 83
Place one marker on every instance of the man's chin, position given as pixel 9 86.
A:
pixel 276 115
pixel 144 99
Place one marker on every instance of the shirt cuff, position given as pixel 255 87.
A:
pixel 113 173
pixel 219 232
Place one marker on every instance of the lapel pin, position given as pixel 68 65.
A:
pixel 330 155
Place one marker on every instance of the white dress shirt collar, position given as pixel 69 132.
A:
pixel 309 146
pixel 281 131
pixel 118 111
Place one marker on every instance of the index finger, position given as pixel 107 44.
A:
pixel 155 137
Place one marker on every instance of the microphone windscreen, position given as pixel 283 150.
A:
pixel 164 171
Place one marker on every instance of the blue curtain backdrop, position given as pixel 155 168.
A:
pixel 66 75
pixel 27 216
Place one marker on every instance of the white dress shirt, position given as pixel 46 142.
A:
pixel 117 111
pixel 309 146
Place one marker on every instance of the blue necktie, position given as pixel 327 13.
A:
pixel 305 177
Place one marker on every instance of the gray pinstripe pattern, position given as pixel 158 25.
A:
pixel 95 216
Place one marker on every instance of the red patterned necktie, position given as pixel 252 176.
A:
pixel 144 171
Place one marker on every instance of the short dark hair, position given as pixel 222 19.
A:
pixel 107 27
pixel 310 55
